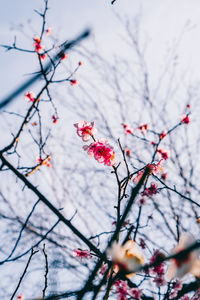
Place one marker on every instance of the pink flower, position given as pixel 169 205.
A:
pixel 30 96
pixel 163 134
pixel 102 152
pixel 158 270
pixel 74 82
pixel 126 257
pixel 185 298
pixel 185 119
pixel 189 263
pixel 143 128
pixel 163 153
pixel 142 201
pixel 122 289
pixel 44 161
pixel 128 152
pixel 38 47
pixel 136 293
pixel 37 39
pixel 81 253
pixel 152 190
pixel 55 119
pixel 64 56
pixel 103 269
pixel 142 244
pixel 127 128
pixel 176 288
pixel 159 280
pixel 164 176
pixel 43 56
pixel 85 130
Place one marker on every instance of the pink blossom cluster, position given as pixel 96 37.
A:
pixel 150 191
pixel 142 243
pixel 30 96
pixel 54 119
pixel 176 288
pixel 163 153
pixel 102 152
pixel 158 270
pixel 124 291
pixel 37 45
pixel 81 253
pixel 143 128
pixel 74 82
pixel 127 128
pixel 163 134
pixel 185 119
pixel 45 161
pixel 100 149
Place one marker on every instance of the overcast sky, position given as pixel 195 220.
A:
pixel 162 22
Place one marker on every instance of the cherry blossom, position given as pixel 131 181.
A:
pixel 142 201
pixel 37 39
pixel 143 128
pixel 189 263
pixel 176 288
pixel 127 152
pixel 136 293
pixel 150 191
pixel 127 128
pixel 158 270
pixel 185 119
pixel 38 47
pixel 44 161
pixel 55 119
pixel 102 152
pixel 85 130
pixel 163 153
pixel 64 56
pixel 124 291
pixel 142 243
pixel 127 257
pixel 81 253
pixel 43 56
pixel 74 82
pixel 30 96
pixel 163 134
pixel 103 269
pixel 164 176
pixel 185 297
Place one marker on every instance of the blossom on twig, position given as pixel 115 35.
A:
pixel 185 119
pixel 126 257
pixel 102 152
pixel 187 263
pixel 81 253
pixel 30 96
pixel 85 130
pixel 127 128
pixel 143 128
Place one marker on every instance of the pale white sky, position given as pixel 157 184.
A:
pixel 162 22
